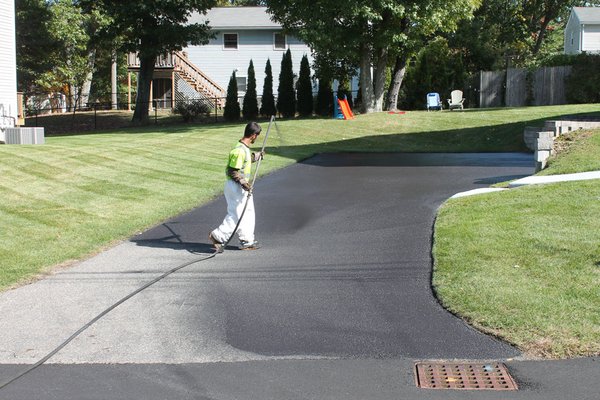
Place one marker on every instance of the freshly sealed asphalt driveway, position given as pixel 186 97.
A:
pixel 336 305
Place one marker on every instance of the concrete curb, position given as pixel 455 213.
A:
pixel 534 180
pixel 476 191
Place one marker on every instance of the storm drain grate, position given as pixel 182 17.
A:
pixel 469 376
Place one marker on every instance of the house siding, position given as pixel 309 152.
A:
pixel 572 35
pixel 8 69
pixel 591 42
pixel 582 32
pixel 256 45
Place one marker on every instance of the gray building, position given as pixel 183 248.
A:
pixel 243 34
pixel 582 33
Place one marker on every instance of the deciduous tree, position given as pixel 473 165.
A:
pixel 365 32
pixel 151 28
pixel 70 64
pixel 35 44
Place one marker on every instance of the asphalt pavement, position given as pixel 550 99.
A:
pixel 337 304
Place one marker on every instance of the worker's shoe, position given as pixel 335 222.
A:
pixel 249 245
pixel 218 246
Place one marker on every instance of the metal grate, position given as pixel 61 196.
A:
pixel 468 376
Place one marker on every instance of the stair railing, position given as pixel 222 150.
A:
pixel 183 65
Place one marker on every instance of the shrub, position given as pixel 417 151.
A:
pixel 324 98
pixel 191 110
pixel 583 85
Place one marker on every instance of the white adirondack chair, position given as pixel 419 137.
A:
pixel 456 100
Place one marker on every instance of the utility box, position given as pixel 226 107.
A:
pixel 24 136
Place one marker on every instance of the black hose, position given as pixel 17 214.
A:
pixel 147 285
pixel 102 314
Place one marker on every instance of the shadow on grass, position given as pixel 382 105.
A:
pixel 488 139
pixel 484 139
pixel 90 123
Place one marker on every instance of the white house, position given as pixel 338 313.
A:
pixel 242 34
pixel 582 32
pixel 8 67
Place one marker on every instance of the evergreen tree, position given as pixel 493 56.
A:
pixel 324 98
pixel 36 45
pixel 304 88
pixel 286 97
pixel 250 108
pixel 232 105
pixel 267 107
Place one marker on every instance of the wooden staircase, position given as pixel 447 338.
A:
pixel 190 73
pixel 198 79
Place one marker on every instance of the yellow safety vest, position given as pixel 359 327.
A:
pixel 241 158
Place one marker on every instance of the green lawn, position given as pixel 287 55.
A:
pixel 77 194
pixel 580 154
pixel 524 264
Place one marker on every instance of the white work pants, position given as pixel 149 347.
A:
pixel 236 199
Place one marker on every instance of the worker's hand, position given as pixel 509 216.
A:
pixel 246 186
pixel 259 155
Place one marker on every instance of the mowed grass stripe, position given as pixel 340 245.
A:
pixel 156 167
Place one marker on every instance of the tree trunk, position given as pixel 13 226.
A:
pixel 366 81
pixel 380 74
pixel 113 81
pixel 86 86
pixel 72 98
pixel 396 83
pixel 142 101
pixel 541 35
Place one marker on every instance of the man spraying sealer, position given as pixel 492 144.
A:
pixel 237 190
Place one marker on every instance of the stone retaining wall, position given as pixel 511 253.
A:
pixel 541 139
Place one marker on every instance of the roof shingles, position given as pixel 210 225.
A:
pixel 236 18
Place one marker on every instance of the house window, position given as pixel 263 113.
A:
pixel 279 41
pixel 241 83
pixel 230 41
